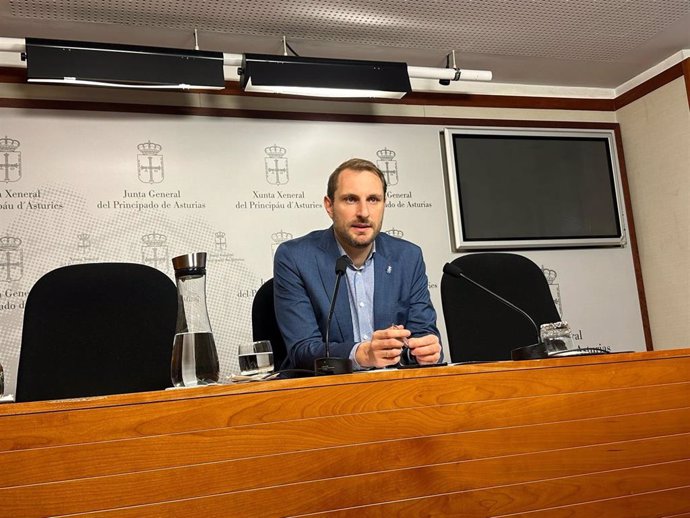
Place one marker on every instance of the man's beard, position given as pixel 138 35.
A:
pixel 345 236
pixel 358 244
pixel 353 242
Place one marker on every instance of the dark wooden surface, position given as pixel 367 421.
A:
pixel 591 436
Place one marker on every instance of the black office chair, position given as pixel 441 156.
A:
pixel 96 329
pixel 264 323
pixel 481 328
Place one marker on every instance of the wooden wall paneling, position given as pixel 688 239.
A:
pixel 269 403
pixel 637 439
pixel 567 428
pixel 668 503
pixel 112 457
pixel 475 474
pixel 657 504
pixel 493 501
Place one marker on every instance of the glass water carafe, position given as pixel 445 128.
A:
pixel 194 357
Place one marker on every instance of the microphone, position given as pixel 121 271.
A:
pixel 328 365
pixel 340 268
pixel 537 350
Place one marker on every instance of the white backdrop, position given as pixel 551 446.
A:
pixel 90 186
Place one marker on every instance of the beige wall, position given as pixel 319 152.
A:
pixel 656 141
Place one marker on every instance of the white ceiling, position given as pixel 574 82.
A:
pixel 577 43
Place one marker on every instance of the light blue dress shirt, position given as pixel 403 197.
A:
pixel 360 286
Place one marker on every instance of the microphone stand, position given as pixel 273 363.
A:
pixel 537 350
pixel 328 365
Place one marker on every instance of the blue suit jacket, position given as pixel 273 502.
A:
pixel 304 278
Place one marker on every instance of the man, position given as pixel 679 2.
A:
pixel 384 301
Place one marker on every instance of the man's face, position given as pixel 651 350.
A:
pixel 356 208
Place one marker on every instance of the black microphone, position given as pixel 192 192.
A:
pixel 330 365
pixel 536 350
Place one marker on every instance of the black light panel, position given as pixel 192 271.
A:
pixel 261 72
pixel 114 65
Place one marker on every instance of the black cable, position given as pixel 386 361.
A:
pixel 291 49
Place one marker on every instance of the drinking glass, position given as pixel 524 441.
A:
pixel 556 336
pixel 256 358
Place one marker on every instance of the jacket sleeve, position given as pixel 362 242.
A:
pixel 421 319
pixel 301 310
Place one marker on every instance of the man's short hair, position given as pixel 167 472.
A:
pixel 356 164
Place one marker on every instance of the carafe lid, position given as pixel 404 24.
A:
pixel 190 263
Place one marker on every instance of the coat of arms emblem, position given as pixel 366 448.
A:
pixel 276 165
pixel 11 259
pixel 394 232
pixel 388 165
pixel 220 242
pixel 10 160
pixel 150 163
pixel 277 238
pixel 220 251
pixel 154 250
pixel 84 251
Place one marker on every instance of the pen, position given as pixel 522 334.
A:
pixel 400 326
pixel 406 358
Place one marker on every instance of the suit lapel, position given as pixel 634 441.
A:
pixel 342 320
pixel 384 284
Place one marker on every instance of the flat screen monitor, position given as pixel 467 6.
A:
pixel 533 188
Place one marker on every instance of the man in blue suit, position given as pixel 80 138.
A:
pixel 386 304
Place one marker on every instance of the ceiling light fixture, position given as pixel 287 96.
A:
pixel 100 64
pixel 125 66
pixel 344 78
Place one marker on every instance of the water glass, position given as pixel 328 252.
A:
pixel 256 358
pixel 556 336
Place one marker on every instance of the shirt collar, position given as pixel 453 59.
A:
pixel 369 258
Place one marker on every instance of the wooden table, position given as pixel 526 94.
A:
pixel 598 436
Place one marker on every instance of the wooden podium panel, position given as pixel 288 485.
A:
pixel 578 437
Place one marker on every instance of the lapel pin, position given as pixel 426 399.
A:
pixel 389 269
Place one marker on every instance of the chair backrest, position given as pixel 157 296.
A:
pixel 96 329
pixel 479 327
pixel 265 324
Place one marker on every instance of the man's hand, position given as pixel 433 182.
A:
pixel 384 348
pixel 426 349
